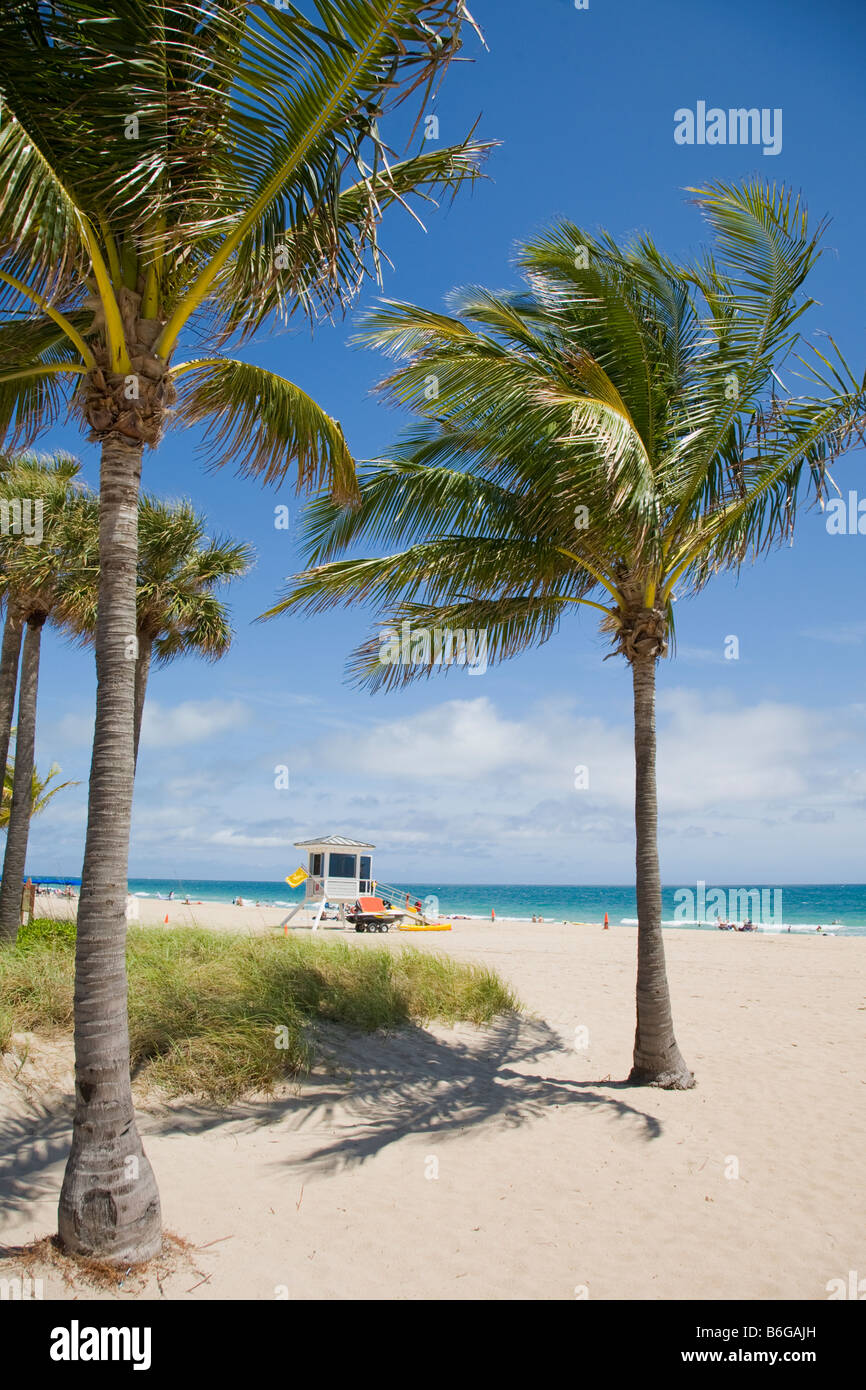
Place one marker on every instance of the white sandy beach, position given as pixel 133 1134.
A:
pixel 502 1162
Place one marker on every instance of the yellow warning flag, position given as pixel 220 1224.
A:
pixel 296 879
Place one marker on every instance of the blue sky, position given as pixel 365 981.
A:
pixel 471 779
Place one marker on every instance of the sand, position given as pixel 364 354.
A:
pixel 506 1162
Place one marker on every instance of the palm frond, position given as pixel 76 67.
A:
pixel 264 425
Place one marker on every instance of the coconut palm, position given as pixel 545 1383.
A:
pixel 177 610
pixel 31 566
pixel 606 440
pixel 184 171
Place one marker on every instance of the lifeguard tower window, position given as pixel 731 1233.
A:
pixel 316 865
pixel 366 861
pixel 341 866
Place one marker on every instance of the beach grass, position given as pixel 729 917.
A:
pixel 215 1016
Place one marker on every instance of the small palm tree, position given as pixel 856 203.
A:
pixel 31 567
pixel 42 790
pixel 197 168
pixel 23 483
pixel 177 609
pixel 609 438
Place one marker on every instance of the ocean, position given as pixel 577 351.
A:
pixel 795 903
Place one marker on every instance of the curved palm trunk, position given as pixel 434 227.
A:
pixel 657 1058
pixel 109 1204
pixel 18 831
pixel 142 670
pixel 10 655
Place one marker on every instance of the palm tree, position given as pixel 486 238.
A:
pixel 195 168
pixel 22 483
pixel 177 610
pixel 607 439
pixel 31 566
pixel 42 790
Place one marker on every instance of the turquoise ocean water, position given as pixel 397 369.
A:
pixel 798 903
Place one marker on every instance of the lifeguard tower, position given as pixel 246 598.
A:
pixel 339 872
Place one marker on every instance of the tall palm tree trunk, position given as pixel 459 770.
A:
pixel 657 1059
pixel 109 1203
pixel 18 831
pixel 10 655
pixel 142 671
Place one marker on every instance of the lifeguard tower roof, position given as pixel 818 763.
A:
pixel 332 842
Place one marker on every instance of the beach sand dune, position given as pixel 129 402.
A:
pixel 510 1161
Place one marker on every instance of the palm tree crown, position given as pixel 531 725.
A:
pixel 178 611
pixel 611 437
pixel 202 166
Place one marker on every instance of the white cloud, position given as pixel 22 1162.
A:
pixel 74 729
pixel 840 634
pixel 190 722
pixel 467 788
pixel 713 755
pixel 238 840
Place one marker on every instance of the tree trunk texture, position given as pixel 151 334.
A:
pixel 657 1058
pixel 18 830
pixel 142 671
pixel 109 1203
pixel 10 655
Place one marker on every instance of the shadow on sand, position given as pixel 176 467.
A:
pixel 368 1091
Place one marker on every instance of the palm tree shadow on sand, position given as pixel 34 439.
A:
pixel 31 1145
pixel 367 1091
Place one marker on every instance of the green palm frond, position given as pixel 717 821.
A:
pixel 39 369
pixel 264 424
pixel 307 263
pixel 456 635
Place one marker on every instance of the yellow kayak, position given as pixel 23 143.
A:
pixel 441 926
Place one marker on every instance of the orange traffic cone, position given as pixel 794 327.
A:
pixel 165 920
pixel 606 923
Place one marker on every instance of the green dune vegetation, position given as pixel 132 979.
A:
pixel 215 1016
